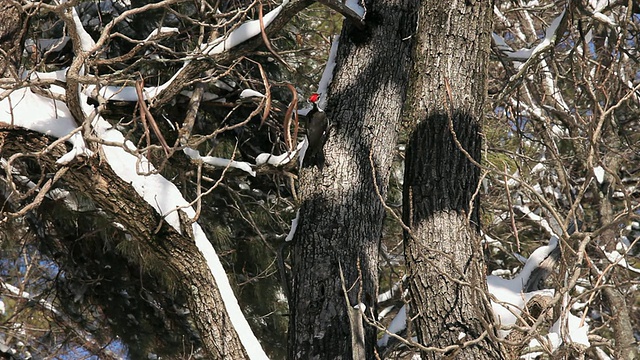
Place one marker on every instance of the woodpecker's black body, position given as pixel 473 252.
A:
pixel 316 135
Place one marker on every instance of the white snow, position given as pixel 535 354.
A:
pixel 602 355
pixel 128 93
pixel 512 180
pixel 526 54
pixel 568 323
pixel 510 299
pixel 165 197
pixel 162 30
pixel 509 302
pixel 278 160
pixel 387 295
pixel 48 116
pixel 246 93
pixel 24 108
pixel 303 150
pixel 294 226
pixel 398 324
pixel 604 18
pixel 206 96
pixel 385 311
pixel 598 171
pixel 618 259
pixel 240 324
pixel 86 42
pixel 327 73
pixel 535 217
pixel 243 33
pixel 599 5
pixel 550 35
pixel 357 7
pixel 219 162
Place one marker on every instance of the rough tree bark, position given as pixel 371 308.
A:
pixel 96 180
pixel 11 36
pixel 445 104
pixel 341 214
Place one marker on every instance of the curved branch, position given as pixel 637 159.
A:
pixel 192 69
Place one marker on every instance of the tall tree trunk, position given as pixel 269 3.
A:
pixel 445 100
pixel 341 215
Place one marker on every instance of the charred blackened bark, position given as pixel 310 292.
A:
pixel 443 252
pixel 341 215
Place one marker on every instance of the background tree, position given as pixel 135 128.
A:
pixel 442 242
pixel 562 85
pixel 543 155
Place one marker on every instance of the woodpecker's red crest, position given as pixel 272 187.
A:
pixel 314 97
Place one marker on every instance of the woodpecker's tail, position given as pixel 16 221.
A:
pixel 314 159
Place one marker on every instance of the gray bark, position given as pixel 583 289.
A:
pixel 443 252
pixel 341 216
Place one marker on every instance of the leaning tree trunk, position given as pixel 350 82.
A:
pixel 96 180
pixel 445 104
pixel 341 214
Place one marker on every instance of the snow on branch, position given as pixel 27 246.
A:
pixel 167 199
pixel 529 55
pixel 617 256
pixel 280 160
pixel 524 209
pixel 398 324
pixel 508 295
pixel 128 93
pixel 353 10
pixel 243 33
pixel 327 73
pixel 24 108
pixel 327 77
pixel 219 162
pixel 568 329
pixel 294 226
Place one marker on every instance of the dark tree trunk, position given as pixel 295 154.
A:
pixel 445 102
pixel 341 215
pixel 97 181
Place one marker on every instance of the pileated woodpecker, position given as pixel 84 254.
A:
pixel 316 134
